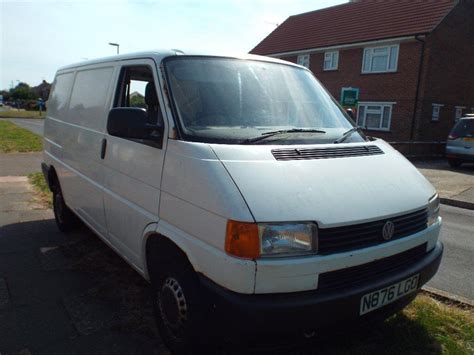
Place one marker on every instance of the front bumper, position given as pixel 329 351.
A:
pixel 460 152
pixel 310 310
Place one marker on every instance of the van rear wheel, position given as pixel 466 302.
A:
pixel 177 305
pixel 66 220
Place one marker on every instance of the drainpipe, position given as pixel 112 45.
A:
pixel 420 69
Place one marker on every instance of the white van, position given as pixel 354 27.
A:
pixel 241 189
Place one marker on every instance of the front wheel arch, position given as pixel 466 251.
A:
pixel 160 250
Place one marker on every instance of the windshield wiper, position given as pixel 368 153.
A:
pixel 266 135
pixel 347 134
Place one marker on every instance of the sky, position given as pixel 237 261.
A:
pixel 38 37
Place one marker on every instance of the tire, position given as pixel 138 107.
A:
pixel 66 220
pixel 177 304
pixel 454 163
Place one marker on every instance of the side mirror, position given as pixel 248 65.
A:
pixel 131 123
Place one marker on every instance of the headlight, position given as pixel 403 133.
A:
pixel 286 239
pixel 253 240
pixel 433 209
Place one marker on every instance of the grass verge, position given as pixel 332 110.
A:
pixel 22 114
pixel 41 187
pixel 426 326
pixel 449 326
pixel 16 139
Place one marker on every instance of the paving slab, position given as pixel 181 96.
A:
pixel 20 164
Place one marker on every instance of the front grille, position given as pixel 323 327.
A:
pixel 359 274
pixel 325 153
pixel 356 236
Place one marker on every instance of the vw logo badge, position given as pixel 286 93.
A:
pixel 388 229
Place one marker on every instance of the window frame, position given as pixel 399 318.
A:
pixel 301 58
pixel 368 51
pixel 334 60
pixel 120 88
pixel 382 106
pixel 433 117
pixel 120 93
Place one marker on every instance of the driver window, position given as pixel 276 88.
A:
pixel 137 89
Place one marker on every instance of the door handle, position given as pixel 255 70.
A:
pixel 103 148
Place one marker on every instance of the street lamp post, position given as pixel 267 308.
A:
pixel 116 45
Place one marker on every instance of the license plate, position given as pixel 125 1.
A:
pixel 384 296
pixel 468 139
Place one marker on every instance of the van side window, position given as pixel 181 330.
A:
pixel 57 103
pixel 89 97
pixel 137 89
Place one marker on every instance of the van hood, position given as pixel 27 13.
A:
pixel 330 191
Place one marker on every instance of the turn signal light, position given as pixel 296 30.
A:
pixel 242 240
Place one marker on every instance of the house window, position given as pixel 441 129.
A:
pixel 303 60
pixel 380 59
pixel 458 112
pixel 331 60
pixel 436 111
pixel 375 115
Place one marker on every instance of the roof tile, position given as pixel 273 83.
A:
pixel 355 22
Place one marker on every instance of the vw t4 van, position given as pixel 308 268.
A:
pixel 241 190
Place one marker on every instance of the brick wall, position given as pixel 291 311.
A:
pixel 399 87
pixel 448 75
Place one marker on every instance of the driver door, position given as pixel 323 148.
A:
pixel 132 167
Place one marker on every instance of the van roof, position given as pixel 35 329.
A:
pixel 159 55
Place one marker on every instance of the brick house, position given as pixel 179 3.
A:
pixel 411 63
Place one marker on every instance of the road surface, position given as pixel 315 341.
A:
pixel 456 273
pixel 34 125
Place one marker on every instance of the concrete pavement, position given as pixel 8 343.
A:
pixel 65 293
pixel 455 186
pixel 20 164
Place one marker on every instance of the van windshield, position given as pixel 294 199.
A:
pixel 236 101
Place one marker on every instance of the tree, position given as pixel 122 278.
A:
pixel 5 94
pixel 22 92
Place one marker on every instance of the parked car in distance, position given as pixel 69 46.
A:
pixel 243 192
pixel 460 143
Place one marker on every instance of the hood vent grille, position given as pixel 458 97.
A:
pixel 325 153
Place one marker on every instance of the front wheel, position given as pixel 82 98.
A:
pixel 177 306
pixel 66 220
